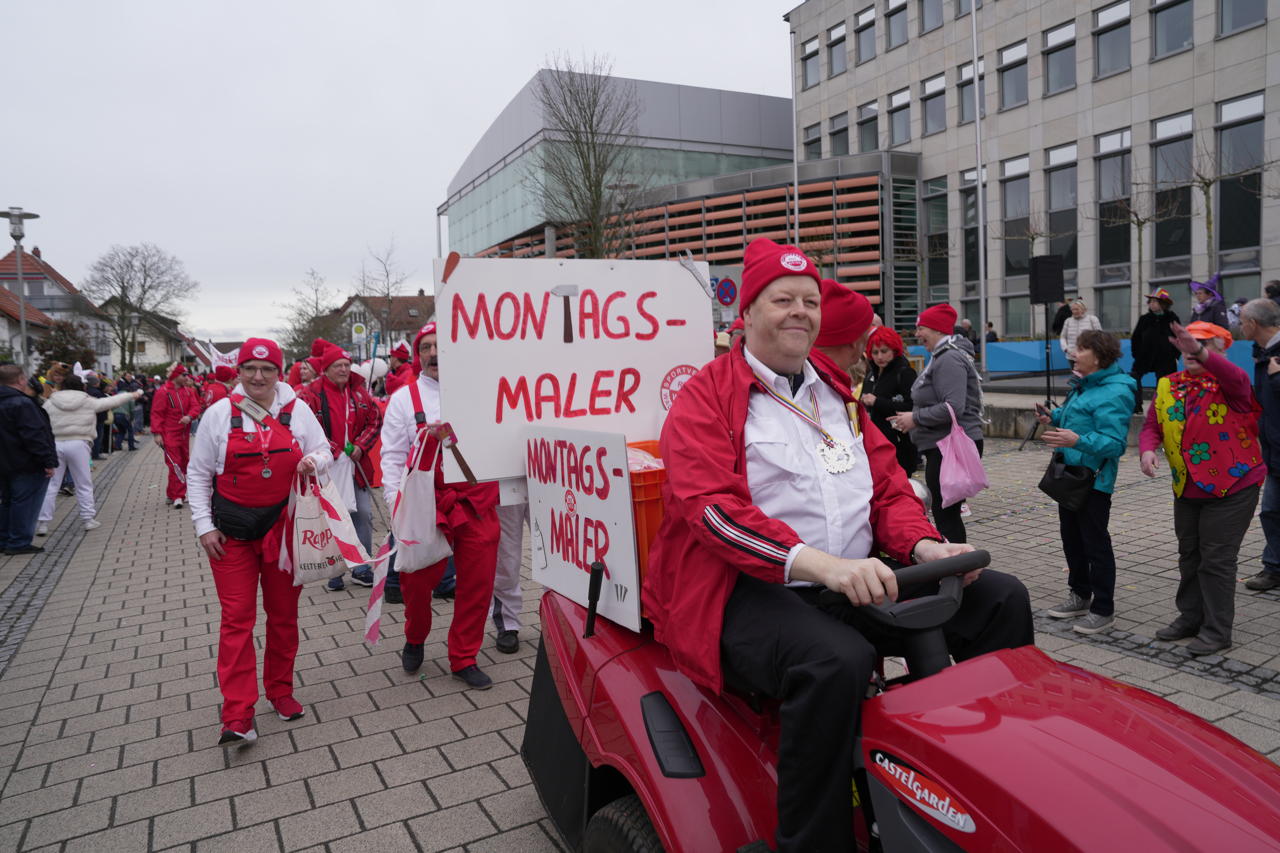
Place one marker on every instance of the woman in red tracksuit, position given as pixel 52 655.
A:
pixel 174 406
pixel 239 479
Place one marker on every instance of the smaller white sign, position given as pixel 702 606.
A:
pixel 580 513
pixel 359 331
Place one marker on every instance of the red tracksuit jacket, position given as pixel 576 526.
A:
pixel 710 529
pixel 168 406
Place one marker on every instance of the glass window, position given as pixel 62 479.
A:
pixel 1173 163
pixel 1240 148
pixel 1237 14
pixel 809 63
pixel 1061 190
pixel 895 24
pixel 839 135
pixel 934 111
pixel 1113 307
pixel 813 142
pixel 1240 151
pixel 1113 176
pixel 1113 232
pixel 963 7
pixel 899 125
pixel 930 15
pixel 865 35
pixel 1013 85
pixel 1171 28
pixel 1246 107
pixel 937 245
pixel 964 92
pixel 1015 197
pixel 837 53
pixel 1060 69
pixel 868 127
pixel 1111 40
pixel 1017 316
pixel 933 105
pixel 969 213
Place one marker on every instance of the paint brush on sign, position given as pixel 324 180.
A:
pixel 450 264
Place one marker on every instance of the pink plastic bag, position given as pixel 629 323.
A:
pixel 961 475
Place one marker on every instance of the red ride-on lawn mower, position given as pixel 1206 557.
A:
pixel 1008 751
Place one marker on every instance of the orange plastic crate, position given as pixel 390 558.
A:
pixel 646 503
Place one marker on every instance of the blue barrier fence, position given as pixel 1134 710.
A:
pixel 1028 357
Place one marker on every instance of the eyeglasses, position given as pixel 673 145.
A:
pixel 269 370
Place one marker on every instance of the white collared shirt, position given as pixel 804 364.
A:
pixel 787 479
pixel 400 429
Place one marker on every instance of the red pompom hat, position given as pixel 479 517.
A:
pixel 845 315
pixel 765 261
pixel 318 346
pixel 940 318
pixel 331 354
pixel 402 352
pixel 261 349
pixel 429 329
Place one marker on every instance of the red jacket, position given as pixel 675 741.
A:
pixel 398 378
pixel 170 404
pixel 364 429
pixel 214 392
pixel 710 529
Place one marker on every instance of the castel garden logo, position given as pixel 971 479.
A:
pixel 921 791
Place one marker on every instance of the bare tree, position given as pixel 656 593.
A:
pixel 1208 172
pixel 136 279
pixel 588 171
pixel 380 279
pixel 310 313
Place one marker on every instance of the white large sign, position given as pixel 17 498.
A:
pixel 580 513
pixel 585 344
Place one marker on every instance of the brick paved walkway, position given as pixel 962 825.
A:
pixel 109 708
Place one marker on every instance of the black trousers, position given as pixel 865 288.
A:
pixel 1209 534
pixel 1162 369
pixel 947 519
pixel 817 660
pixel 1086 543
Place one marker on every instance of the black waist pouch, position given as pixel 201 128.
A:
pixel 245 522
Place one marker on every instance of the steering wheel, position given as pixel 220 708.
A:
pixel 927 611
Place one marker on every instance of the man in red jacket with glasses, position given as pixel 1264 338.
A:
pixel 778 488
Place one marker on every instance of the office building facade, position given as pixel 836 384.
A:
pixel 1136 139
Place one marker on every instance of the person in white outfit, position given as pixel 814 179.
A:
pixel 73 415
pixel 507 599
pixel 1079 321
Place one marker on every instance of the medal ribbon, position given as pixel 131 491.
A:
pixel 814 420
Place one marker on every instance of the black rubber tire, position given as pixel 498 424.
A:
pixel 621 827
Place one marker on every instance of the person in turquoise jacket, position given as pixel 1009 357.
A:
pixel 1091 429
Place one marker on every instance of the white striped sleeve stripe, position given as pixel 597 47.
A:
pixel 739 537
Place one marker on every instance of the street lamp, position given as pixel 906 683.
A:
pixel 135 320
pixel 16 231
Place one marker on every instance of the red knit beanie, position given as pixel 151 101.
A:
pixel 331 354
pixel 177 369
pixel 224 373
pixel 845 315
pixel 940 318
pixel 429 329
pixel 401 352
pixel 261 349
pixel 765 261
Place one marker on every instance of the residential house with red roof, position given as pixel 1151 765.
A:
pixel 396 318
pixel 56 297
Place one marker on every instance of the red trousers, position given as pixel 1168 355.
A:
pixel 237 576
pixel 177 450
pixel 475 557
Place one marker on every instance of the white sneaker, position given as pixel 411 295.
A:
pixel 42 529
pixel 92 524
pixel 177 503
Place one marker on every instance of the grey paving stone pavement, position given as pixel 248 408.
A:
pixel 109 706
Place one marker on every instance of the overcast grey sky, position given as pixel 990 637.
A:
pixel 257 138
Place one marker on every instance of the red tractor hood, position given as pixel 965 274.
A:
pixel 1043 755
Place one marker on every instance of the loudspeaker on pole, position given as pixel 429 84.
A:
pixel 1046 279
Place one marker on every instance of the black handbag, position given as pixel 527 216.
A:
pixel 246 523
pixel 1069 485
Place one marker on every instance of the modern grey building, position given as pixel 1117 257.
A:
pixel 685 132
pixel 1134 138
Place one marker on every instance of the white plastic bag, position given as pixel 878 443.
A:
pixel 316 555
pixel 419 541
